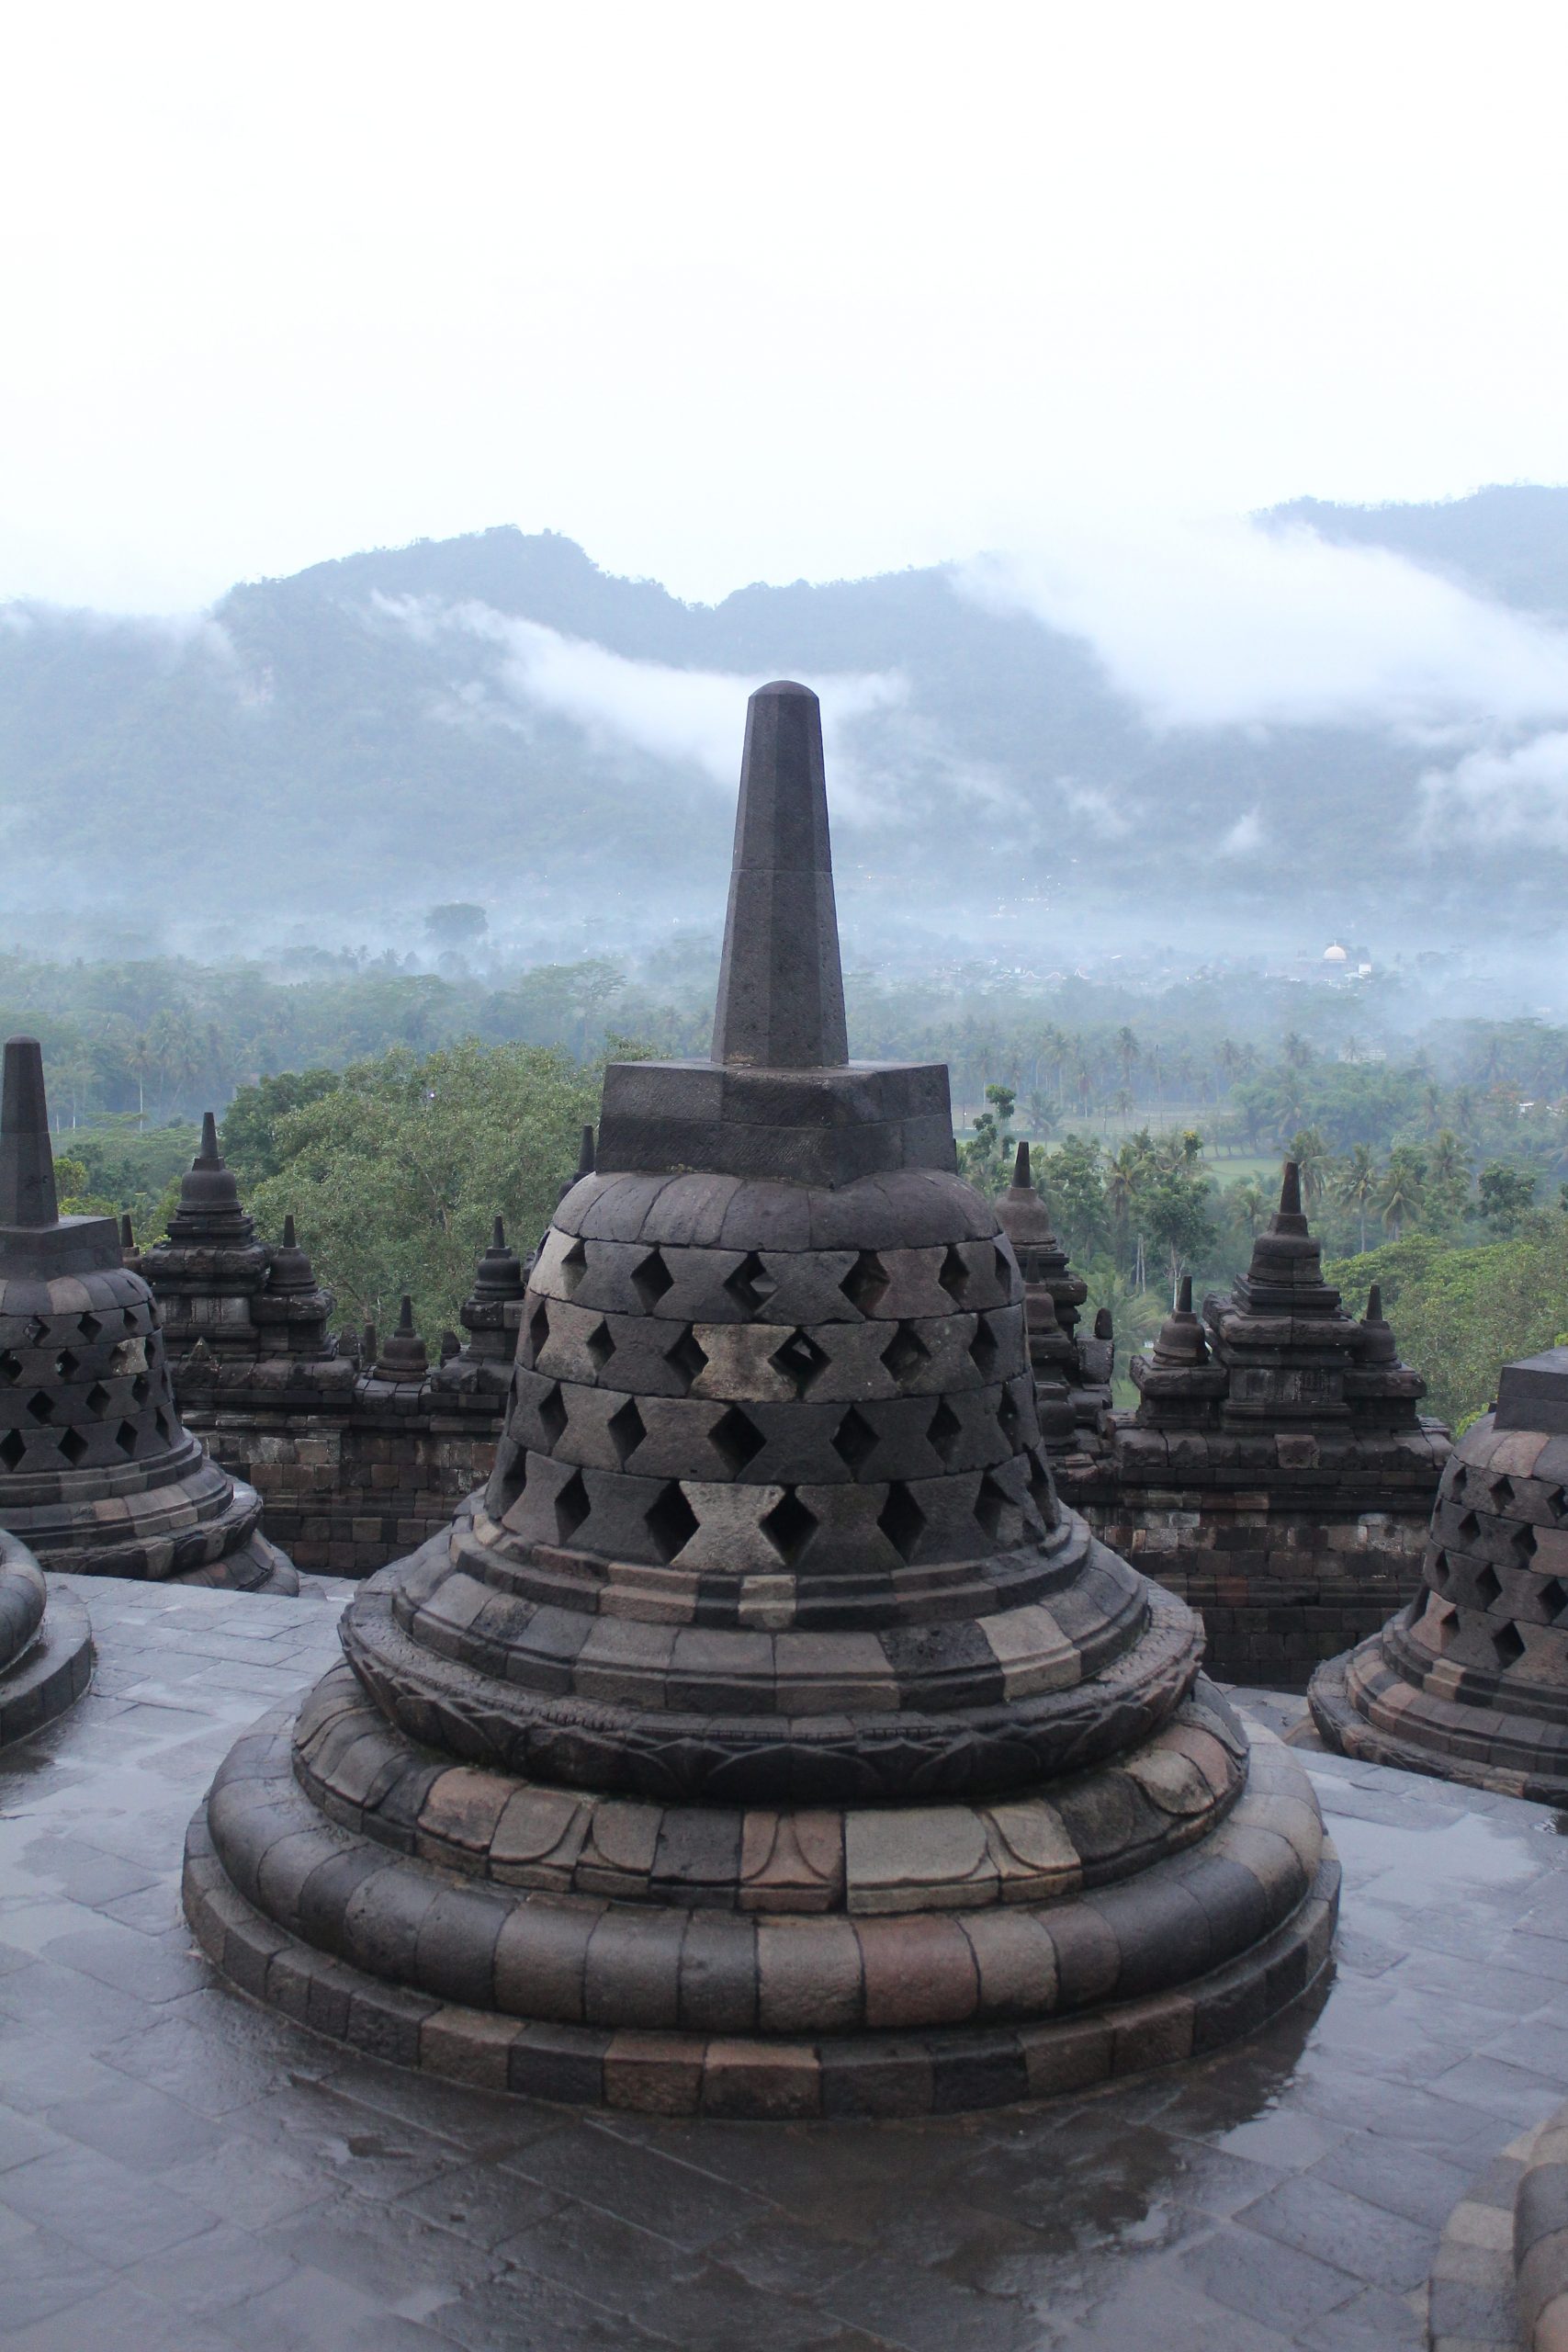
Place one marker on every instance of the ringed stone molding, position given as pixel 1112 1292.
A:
pixel 98 1473
pixel 1469 1681
pixel 764 1739
pixel 46 1645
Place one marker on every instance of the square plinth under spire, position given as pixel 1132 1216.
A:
pixel 797 1126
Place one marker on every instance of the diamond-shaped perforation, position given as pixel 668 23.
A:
pixel 983 1348
pixel 1468 1527
pixel 1509 1645
pixel 131 1318
pixel 140 1389
pixel 1488 1588
pixel 1004 1269
pixel 1502 1494
pixel 686 1356
pixel 651 1279
pixel 65 1364
pixel 901 1519
pixel 40 1406
pixel 538 1331
pixel 164 1425
pixel 905 1353
pixel 1042 1494
pixel 36 1330
pixel 1557 1504
pixel 600 1345
pixel 943 1431
pixel 96 1398
pixel 736 1440
pixel 989 1504
pixel 1458 1484
pixel 854 1440
pixel 670 1522
pixel 13 1445
pixel 1553 1595
pixel 1010 1420
pixel 955 1277
pixel 1521 1543
pixel 789 1526
pixel 511 1474
pixel 90 1326
pixel 552 1415
pixel 800 1360
pixel 750 1285
pixel 10 1368
pixel 865 1284
pixel 1442 1574
pixel 573 1266
pixel 573 1507
pixel 72 1445
pixel 627 1429
pixel 125 1438
pixel 1440 1624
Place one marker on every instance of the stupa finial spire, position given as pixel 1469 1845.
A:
pixel 781 987
pixel 1022 1179
pixel 26 1156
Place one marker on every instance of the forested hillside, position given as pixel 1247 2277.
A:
pixel 494 719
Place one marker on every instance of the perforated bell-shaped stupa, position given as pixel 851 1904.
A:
pixel 96 1471
pixel 765 1739
pixel 1469 1681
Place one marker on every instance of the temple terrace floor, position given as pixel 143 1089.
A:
pixel 181 2171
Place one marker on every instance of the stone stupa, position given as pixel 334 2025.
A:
pixel 98 1473
pixel 765 1739
pixel 46 1645
pixel 1072 1371
pixel 1469 1681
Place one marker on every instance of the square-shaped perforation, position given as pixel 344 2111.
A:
pixel 800 1360
pixel 686 1356
pixel 670 1522
pixel 736 1440
pixel 789 1526
pixel 750 1285
pixel 905 1353
pixel 651 1279
pixel 854 1440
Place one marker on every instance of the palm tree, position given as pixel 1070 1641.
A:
pixel 1399 1198
pixel 1357 1184
pixel 1126 1054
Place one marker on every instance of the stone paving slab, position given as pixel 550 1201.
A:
pixel 181 2170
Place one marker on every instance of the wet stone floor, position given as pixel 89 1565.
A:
pixel 180 2170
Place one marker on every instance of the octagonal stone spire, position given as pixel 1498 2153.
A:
pixel 780 989
pixel 26 1156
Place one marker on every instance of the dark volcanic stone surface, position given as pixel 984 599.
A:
pixel 180 2170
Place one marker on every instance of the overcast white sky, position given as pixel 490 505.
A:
pixel 733 292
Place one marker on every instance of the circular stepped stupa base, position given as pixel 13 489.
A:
pixel 647 2006
pixel 46 1645
pixel 1365 1707
pixel 256 1566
